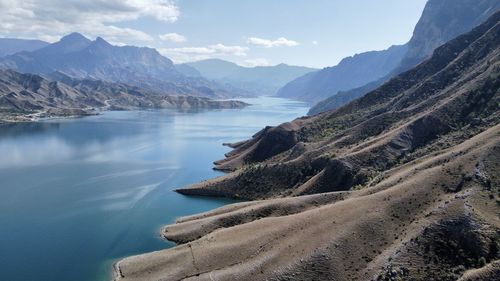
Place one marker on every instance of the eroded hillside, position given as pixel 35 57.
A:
pixel 401 184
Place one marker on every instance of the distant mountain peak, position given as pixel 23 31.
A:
pixel 258 80
pixel 282 64
pixel 74 37
pixel 100 42
pixel 69 43
pixel 79 57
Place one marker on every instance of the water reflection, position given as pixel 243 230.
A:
pixel 76 194
pixel 28 128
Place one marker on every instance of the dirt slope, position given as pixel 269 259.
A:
pixel 431 219
pixel 402 184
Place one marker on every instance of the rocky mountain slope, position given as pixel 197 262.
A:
pixel 401 184
pixel 441 21
pixel 29 96
pixel 214 68
pixel 80 57
pixel 351 72
pixel 9 46
pixel 260 80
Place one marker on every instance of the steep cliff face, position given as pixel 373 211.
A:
pixel 401 184
pixel 441 21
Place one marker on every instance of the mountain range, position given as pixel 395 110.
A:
pixel 79 57
pixel 400 184
pixel 351 72
pixel 260 80
pixel 441 21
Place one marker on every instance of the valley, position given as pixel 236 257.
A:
pixel 407 171
pixel 254 140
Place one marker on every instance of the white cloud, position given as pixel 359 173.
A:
pixel 256 62
pixel 315 43
pixel 189 50
pixel 280 42
pixel 187 54
pixel 229 50
pixel 48 19
pixel 173 37
pixel 164 10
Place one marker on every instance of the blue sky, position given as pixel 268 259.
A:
pixel 314 33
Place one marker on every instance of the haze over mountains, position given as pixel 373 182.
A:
pixel 400 184
pixel 143 67
pixel 77 76
pixel 260 80
pixel 81 76
pixel 329 88
pixel 350 73
pixel 440 22
pixel 80 57
pixel 9 46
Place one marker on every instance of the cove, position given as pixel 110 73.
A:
pixel 78 194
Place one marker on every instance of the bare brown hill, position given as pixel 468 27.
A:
pixel 26 96
pixel 441 102
pixel 434 218
pixel 402 184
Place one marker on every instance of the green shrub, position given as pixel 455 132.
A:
pixel 482 261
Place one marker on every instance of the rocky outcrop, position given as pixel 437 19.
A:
pixel 443 20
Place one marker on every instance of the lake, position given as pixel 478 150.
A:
pixel 78 194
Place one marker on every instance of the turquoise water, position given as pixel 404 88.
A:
pixel 78 194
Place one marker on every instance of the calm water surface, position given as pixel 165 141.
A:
pixel 75 195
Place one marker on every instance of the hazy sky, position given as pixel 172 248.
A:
pixel 250 32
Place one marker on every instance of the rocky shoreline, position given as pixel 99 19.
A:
pixel 302 238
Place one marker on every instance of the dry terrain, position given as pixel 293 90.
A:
pixel 402 184
pixel 27 97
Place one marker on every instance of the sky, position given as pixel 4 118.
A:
pixel 315 33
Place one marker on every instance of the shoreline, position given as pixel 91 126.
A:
pixel 151 235
pixel 10 118
pixel 256 238
pixel 42 119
